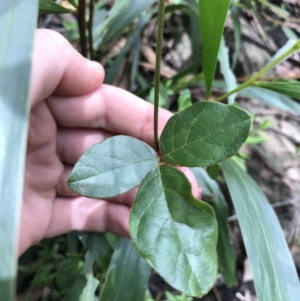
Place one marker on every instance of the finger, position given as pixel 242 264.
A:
pixel 189 174
pixel 112 109
pixel 62 188
pixel 73 143
pixel 82 214
pixel 59 68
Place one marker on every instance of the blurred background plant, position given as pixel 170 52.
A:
pixel 122 36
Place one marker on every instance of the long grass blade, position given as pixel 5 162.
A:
pixel 17 23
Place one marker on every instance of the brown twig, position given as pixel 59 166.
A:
pixel 91 18
pixel 160 33
pixel 82 26
pixel 278 131
pixel 280 23
pixel 256 23
pixel 216 293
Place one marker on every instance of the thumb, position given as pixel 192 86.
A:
pixel 58 68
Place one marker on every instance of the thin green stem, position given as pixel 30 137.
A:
pixel 250 81
pixel 82 26
pixel 90 25
pixel 160 32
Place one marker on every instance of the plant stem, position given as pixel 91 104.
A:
pixel 82 26
pixel 160 32
pixel 91 18
pixel 250 81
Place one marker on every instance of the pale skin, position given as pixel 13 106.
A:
pixel 71 109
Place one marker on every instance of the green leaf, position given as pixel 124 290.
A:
pixel 101 25
pixel 240 161
pixel 237 31
pixel 229 76
pixel 148 296
pixel 85 287
pixel 68 272
pixel 163 96
pixel 212 16
pixel 174 232
pixel 289 88
pixel 17 23
pixel 73 2
pixel 204 134
pixel 266 124
pixel 288 45
pixel 128 275
pixel 289 33
pixel 115 67
pixel 274 272
pixel 213 171
pixel 132 11
pixel 88 293
pixel 136 57
pixel 194 32
pixel 259 137
pixel 112 239
pixel 99 248
pixel 272 99
pixel 213 195
pixel 184 100
pixel 112 167
pixel 50 7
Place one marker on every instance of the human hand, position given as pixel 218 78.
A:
pixel 70 111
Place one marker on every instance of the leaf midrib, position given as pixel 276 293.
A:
pixel 175 230
pixel 111 169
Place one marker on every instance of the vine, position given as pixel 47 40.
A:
pixel 160 33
